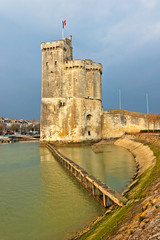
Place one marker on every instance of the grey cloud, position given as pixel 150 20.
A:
pixel 122 34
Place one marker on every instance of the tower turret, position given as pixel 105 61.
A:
pixel 54 54
pixel 71 95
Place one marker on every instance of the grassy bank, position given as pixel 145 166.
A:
pixel 108 226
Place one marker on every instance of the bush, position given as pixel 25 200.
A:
pixel 150 131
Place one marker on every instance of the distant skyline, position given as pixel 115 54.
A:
pixel 123 35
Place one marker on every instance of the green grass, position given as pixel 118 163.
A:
pixel 147 178
pixel 106 225
pixel 109 223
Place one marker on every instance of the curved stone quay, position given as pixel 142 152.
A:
pixel 105 195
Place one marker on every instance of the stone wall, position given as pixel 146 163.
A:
pixel 53 56
pixel 71 106
pixel 70 120
pixel 143 154
pixel 82 79
pixel 116 122
pixel 71 109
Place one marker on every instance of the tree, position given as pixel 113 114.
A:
pixel 15 127
pixel 153 119
pixel 23 128
pixel 1 127
pixel 37 127
pixel 30 127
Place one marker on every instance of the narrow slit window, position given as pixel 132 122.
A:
pixel 55 63
pixel 89 133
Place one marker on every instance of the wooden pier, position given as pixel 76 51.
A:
pixel 105 195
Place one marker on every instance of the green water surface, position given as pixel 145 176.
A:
pixel 39 200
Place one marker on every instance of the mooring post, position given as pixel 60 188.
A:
pixel 104 200
pixel 96 187
pixel 93 189
pixel 81 177
pixel 77 174
pixel 86 182
pixel 107 201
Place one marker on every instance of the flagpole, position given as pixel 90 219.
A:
pixel 63 25
pixel 120 101
pixel 62 30
pixel 62 33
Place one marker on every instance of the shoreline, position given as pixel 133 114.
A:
pixel 133 181
pixel 134 147
pixel 23 141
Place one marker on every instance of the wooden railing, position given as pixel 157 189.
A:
pixel 100 191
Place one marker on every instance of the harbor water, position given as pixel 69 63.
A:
pixel 40 200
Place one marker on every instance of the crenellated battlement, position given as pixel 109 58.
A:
pixel 71 106
pixel 85 64
pixel 56 44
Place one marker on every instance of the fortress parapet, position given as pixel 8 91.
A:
pixel 71 107
pixel 85 64
pixel 56 44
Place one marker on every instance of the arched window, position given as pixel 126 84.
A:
pixel 88 117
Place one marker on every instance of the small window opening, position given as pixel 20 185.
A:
pixel 55 63
pixel 89 116
pixel 89 133
pixel 46 63
pixel 51 53
pixel 61 104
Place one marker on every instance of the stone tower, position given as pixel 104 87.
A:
pixel 71 107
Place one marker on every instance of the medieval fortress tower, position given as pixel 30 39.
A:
pixel 71 104
pixel 71 108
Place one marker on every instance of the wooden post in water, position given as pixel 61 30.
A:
pixel 93 189
pixel 106 196
pixel 104 200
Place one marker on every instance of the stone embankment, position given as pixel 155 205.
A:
pixel 143 155
pixel 143 221
pixel 140 218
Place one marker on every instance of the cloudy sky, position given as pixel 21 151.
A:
pixel 123 35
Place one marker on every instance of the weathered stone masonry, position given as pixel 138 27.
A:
pixel 71 106
pixel 116 122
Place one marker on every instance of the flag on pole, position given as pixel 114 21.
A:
pixel 63 23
